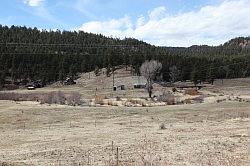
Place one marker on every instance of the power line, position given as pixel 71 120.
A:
pixel 73 45
pixel 206 69
pixel 61 45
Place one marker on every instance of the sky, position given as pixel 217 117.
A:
pixel 158 22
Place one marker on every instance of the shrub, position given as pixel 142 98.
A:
pixel 199 99
pixel 60 97
pixel 187 101
pixel 192 92
pixel 118 98
pixel 174 89
pixel 166 97
pixel 74 99
pixel 162 126
pixel 54 98
pixel 11 87
pixel 97 71
pixel 136 101
pixel 99 99
pixel 19 97
pixel 50 98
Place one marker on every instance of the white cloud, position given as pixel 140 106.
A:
pixel 140 21
pixel 157 13
pixel 212 25
pixel 113 27
pixel 33 3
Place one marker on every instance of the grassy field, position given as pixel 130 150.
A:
pixel 201 134
pixel 89 85
pixel 215 132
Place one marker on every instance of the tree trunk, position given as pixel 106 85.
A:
pixel 149 88
pixel 150 93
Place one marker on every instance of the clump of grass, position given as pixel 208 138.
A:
pixel 162 126
pixel 118 98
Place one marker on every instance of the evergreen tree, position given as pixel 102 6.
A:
pixel 194 75
pixel 30 54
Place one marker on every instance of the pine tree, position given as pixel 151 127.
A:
pixel 194 75
pixel 97 71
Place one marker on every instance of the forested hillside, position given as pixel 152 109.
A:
pixel 32 54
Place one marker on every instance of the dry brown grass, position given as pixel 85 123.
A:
pixel 99 99
pixel 54 97
pixel 192 92
pixel 19 97
pixel 198 134
pixel 205 134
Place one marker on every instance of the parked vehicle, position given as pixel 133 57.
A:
pixel 35 84
pixel 69 81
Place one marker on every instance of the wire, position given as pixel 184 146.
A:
pixel 72 45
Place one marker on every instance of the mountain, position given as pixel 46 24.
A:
pixel 31 54
pixel 243 42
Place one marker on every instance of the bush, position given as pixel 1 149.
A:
pixel 174 89
pixel 166 97
pixel 118 98
pixel 19 96
pixel 60 98
pixel 199 99
pixel 11 87
pixel 49 98
pixel 97 71
pixel 99 99
pixel 74 99
pixel 10 96
pixel 192 92
pixel 135 101
pixel 54 98
pixel 162 126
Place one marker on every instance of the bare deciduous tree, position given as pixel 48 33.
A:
pixel 74 99
pixel 149 70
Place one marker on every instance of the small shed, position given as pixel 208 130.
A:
pixel 140 86
pixel 120 87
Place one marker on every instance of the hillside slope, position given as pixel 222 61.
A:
pixel 29 54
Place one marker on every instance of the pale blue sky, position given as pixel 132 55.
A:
pixel 160 22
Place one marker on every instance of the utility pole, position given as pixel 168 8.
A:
pixel 113 78
pixel 114 88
